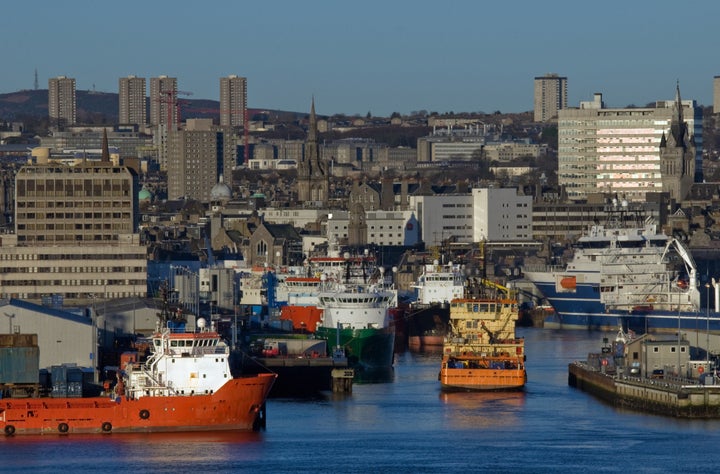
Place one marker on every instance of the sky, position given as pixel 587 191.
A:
pixel 372 56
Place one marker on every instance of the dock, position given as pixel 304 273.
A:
pixel 301 376
pixel 681 398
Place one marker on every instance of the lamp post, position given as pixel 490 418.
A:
pixel 707 324
pixel 10 321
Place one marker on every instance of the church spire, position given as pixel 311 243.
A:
pixel 105 149
pixel 312 128
pixel 678 102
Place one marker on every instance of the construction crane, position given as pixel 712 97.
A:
pixel 169 98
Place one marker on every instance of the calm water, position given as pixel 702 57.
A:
pixel 408 425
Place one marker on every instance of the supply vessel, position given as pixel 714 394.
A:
pixel 481 351
pixel 184 384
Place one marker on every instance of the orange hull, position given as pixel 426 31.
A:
pixel 237 405
pixel 482 379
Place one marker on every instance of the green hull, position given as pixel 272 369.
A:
pixel 367 349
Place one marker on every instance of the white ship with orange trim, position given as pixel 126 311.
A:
pixel 184 385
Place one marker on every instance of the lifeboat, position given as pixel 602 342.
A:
pixel 568 283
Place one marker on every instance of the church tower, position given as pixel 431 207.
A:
pixel 677 154
pixel 313 181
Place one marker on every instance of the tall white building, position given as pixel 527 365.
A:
pixel 550 96
pixel 618 151
pixel 132 101
pixel 62 107
pixel 233 100
pixel 501 215
pixel 442 216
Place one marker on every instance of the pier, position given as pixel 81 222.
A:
pixel 682 398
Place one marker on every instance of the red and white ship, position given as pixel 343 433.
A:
pixel 184 385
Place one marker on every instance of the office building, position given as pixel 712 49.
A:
pixel 62 107
pixel 75 237
pixel 199 155
pixel 233 101
pixel 132 101
pixel 163 101
pixel 630 152
pixel 550 96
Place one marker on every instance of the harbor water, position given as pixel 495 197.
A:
pixel 406 424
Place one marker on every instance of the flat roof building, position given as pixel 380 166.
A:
pixel 132 101
pixel 62 107
pixel 626 151
pixel 233 101
pixel 550 96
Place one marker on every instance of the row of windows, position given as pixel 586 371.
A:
pixel 102 270
pixel 71 282
pixel 72 256
pixel 77 226
pixel 73 215
pixel 74 204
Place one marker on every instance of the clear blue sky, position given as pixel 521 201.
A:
pixel 377 56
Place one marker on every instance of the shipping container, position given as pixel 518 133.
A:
pixel 19 365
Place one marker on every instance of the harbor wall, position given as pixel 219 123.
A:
pixel 649 395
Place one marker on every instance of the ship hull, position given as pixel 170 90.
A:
pixel 427 326
pixel 478 374
pixel 582 309
pixel 237 405
pixel 367 349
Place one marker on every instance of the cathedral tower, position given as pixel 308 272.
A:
pixel 677 154
pixel 313 181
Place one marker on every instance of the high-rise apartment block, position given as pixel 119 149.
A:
pixel 163 100
pixel 233 101
pixel 630 152
pixel 61 101
pixel 550 96
pixel 716 95
pixel 197 156
pixel 132 101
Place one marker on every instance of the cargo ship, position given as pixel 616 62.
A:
pixel 184 384
pixel 428 316
pixel 481 350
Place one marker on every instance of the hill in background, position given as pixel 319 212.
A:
pixel 102 107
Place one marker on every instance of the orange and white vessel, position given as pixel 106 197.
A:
pixel 481 351
pixel 185 384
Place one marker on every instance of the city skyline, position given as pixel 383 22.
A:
pixel 378 57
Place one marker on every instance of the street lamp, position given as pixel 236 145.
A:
pixel 707 322
pixel 10 321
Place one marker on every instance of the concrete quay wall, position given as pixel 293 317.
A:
pixel 654 396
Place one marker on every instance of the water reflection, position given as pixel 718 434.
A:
pixel 380 375
pixel 474 409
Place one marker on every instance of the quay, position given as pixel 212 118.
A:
pixel 670 396
pixel 302 376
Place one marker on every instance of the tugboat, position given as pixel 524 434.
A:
pixel 481 351
pixel 184 385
